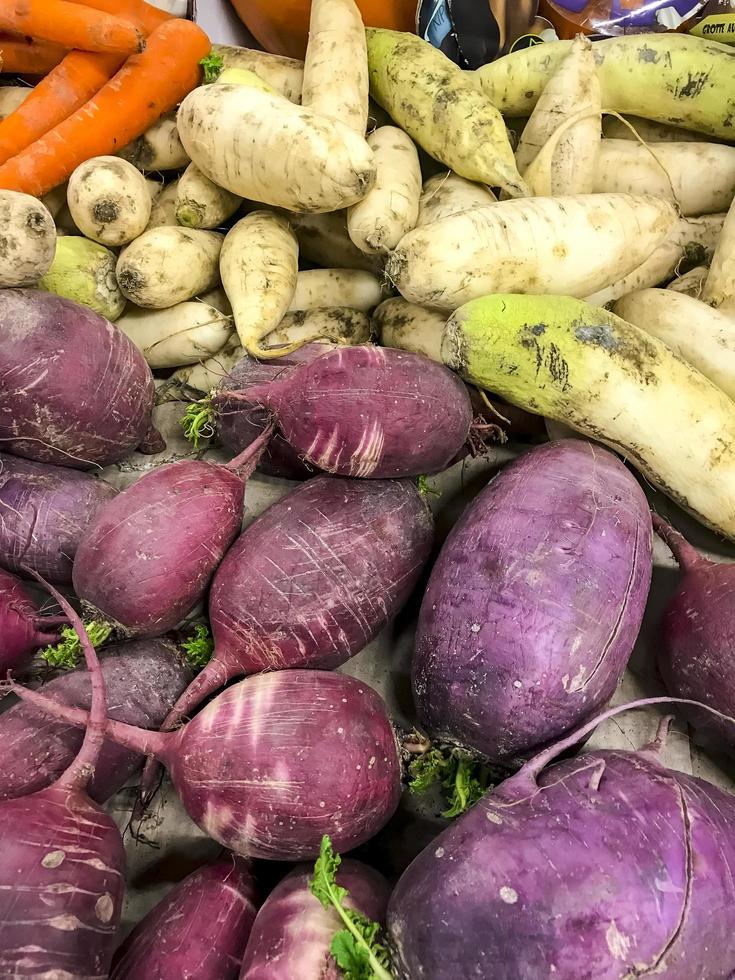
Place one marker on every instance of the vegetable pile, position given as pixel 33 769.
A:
pixel 368 288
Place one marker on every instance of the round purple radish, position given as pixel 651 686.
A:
pixel 607 866
pixel 239 424
pixel 23 630
pixel 369 412
pixel 293 931
pixel 198 931
pixel 44 510
pixel 535 602
pixel 62 874
pixel 148 556
pixel 74 390
pixel 314 579
pixel 143 680
pixel 277 761
pixel 697 639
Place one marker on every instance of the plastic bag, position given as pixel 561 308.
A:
pixel 609 18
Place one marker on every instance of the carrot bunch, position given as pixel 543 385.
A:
pixel 130 62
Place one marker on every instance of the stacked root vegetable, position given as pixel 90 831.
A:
pixel 353 273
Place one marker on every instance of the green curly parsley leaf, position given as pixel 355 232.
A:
pixel 212 65
pixel 199 647
pixel 463 777
pixel 198 421
pixel 66 653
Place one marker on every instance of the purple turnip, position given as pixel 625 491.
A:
pixel 535 602
pixel 143 680
pixel 239 424
pixel 313 580
pixel 697 638
pixel 293 931
pixel 607 866
pixel 198 931
pixel 44 510
pixel 369 412
pixel 276 761
pixel 74 390
pixel 62 873
pixel 23 629
pixel 149 554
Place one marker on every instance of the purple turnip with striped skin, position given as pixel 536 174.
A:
pixel 535 602
pixel 239 424
pixel 369 412
pixel 44 510
pixel 199 931
pixel 148 556
pixel 607 866
pixel 143 680
pixel 74 390
pixel 276 761
pixel 697 637
pixel 62 874
pixel 23 629
pixel 313 580
pixel 293 931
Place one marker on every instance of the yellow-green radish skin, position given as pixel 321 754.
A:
pixel 285 75
pixel 84 271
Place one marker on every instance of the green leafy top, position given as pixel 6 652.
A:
pixel 199 647
pixel 463 777
pixel 65 654
pixel 198 421
pixel 424 488
pixel 212 64
pixel 356 948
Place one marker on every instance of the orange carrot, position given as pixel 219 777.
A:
pixel 147 85
pixel 143 15
pixel 24 56
pixel 55 98
pixel 72 83
pixel 70 24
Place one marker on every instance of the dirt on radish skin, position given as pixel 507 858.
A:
pixel 199 930
pixel 62 874
pixel 22 627
pixel 276 761
pixel 74 391
pixel 370 412
pixel 143 680
pixel 44 510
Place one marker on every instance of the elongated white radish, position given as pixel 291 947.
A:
pixel 216 297
pixel 615 128
pixel 323 240
pixel 209 373
pixel 702 336
pixel 573 91
pixel 159 148
pixel 163 210
pixel 166 266
pixel 447 193
pixel 390 208
pixel 183 334
pixel 264 148
pixel 564 245
pixel 336 68
pixel 692 238
pixel 259 266
pixel 554 171
pixel 691 283
pixel 407 326
pixel 668 170
pixel 339 325
pixel 109 200
pixel 200 203
pixel 351 288
pixel 720 285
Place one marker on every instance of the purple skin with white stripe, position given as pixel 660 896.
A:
pixel 293 931
pixel 369 412
pixel 62 873
pixel 148 556
pixel 535 602
pixel 44 510
pixel 607 866
pixel 239 424
pixel 197 932
pixel 277 761
pixel 313 580
pixel 74 390
pixel 143 680
pixel 697 638
pixel 23 630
